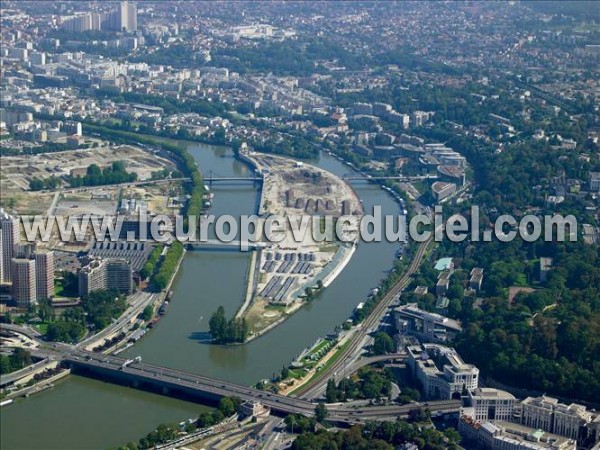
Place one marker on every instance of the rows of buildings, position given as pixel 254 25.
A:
pixel 29 271
pixel 489 418
pixel 123 18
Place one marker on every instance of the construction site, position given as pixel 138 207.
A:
pixel 286 273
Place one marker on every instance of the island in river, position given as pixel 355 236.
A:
pixel 284 275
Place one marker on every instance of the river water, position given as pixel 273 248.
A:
pixel 81 413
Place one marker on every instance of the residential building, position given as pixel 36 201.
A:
pixel 124 18
pixel 23 282
pixel 440 371
pixel 594 181
pixel 106 274
pixel 9 229
pixel 44 274
pixel 426 326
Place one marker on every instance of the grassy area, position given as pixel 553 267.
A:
pixel 42 328
pixel 318 351
pixel 522 280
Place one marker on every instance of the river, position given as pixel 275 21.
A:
pixel 206 280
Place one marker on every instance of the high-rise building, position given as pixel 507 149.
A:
pixel 23 282
pixel 109 274
pixel 124 18
pixel 83 22
pixel 9 228
pixel 1 260
pixel 24 250
pixel 44 274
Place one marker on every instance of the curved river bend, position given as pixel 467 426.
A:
pixel 80 413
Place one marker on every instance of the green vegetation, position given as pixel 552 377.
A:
pixel 321 412
pixel 102 307
pixel 65 331
pixel 225 332
pixel 48 183
pixel 382 344
pixel 17 360
pixel 147 313
pixel 368 383
pixel 374 435
pixel 150 266
pixel 95 176
pixel 167 267
pixel 297 423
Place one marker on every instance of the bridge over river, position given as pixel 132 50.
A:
pixel 179 383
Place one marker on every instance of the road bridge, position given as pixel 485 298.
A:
pixel 189 385
pixel 215 244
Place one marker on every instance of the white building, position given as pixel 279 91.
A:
pixel 9 229
pixel 106 274
pixel 491 405
pixel 441 371
pixel 549 415
pixel 23 282
pixel 508 436
pixel 44 274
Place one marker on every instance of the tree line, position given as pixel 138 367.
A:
pixel 225 331
pixel 166 267
pixel 95 176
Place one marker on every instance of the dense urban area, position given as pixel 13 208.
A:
pixel 152 110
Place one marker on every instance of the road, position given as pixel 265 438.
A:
pixel 137 303
pixel 353 350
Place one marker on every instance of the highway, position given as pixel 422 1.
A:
pixel 351 352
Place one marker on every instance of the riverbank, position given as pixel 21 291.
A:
pixel 294 266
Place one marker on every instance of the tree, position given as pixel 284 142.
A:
pixel 382 344
pixel 285 372
pixel 331 392
pixel 148 313
pixel 218 324
pixel 223 331
pixel 226 406
pixel 321 412
pixel 452 435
